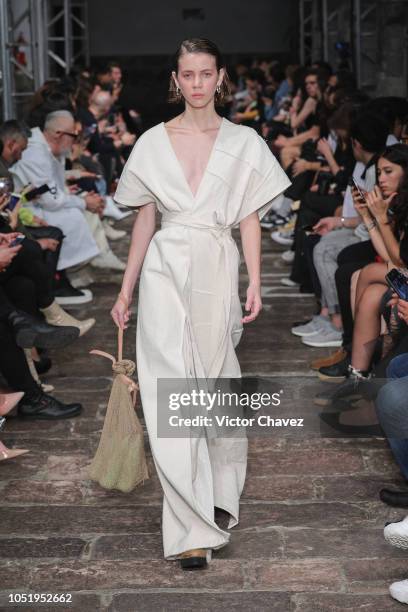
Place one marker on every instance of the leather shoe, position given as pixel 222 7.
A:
pixel 30 331
pixel 398 499
pixel 44 406
pixel 194 559
pixel 335 357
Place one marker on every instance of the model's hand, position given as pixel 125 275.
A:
pixel 120 313
pixel 253 303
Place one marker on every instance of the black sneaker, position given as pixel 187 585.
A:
pixel 65 294
pixel 335 373
pixel 43 406
pixel 353 388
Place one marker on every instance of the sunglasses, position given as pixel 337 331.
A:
pixel 72 134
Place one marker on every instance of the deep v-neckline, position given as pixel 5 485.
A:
pixel 180 167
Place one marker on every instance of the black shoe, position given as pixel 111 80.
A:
pixel 30 332
pixel 332 419
pixel 195 559
pixel 398 499
pixel 43 365
pixel 335 373
pixel 66 295
pixel 352 389
pixel 44 406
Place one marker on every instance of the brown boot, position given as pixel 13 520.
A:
pixel 332 359
pixel 55 315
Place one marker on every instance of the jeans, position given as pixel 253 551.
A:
pixel 392 410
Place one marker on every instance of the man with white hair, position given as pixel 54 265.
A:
pixel 43 162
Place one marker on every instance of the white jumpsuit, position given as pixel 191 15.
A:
pixel 189 311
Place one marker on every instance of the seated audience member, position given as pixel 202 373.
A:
pixel 368 134
pixel 352 259
pixel 395 111
pixel 391 407
pixel 250 110
pixel 43 163
pixel 385 213
pixel 20 330
pixel 102 143
pixel 14 367
pixel 28 268
pixel 282 94
pixel 307 119
pixel 13 141
pixel 330 177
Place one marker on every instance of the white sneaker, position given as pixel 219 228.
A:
pixel 283 238
pixel 112 210
pixel 287 282
pixel 81 278
pixel 288 256
pixel 399 591
pixel 397 533
pixel 108 261
pixel 111 232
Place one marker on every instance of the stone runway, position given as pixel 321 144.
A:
pixel 310 534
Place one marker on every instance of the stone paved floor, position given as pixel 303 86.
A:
pixel 310 534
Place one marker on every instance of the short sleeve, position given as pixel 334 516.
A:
pixel 131 190
pixel 266 180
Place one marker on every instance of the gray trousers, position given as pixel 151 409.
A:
pixel 325 256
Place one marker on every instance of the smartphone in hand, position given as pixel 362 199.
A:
pixel 398 282
pixel 17 240
pixel 357 186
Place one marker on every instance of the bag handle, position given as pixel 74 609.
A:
pixel 120 349
pixel 120 344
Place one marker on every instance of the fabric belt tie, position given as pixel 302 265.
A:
pixel 222 234
pixel 219 231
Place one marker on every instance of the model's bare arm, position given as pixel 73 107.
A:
pixel 251 245
pixel 142 233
